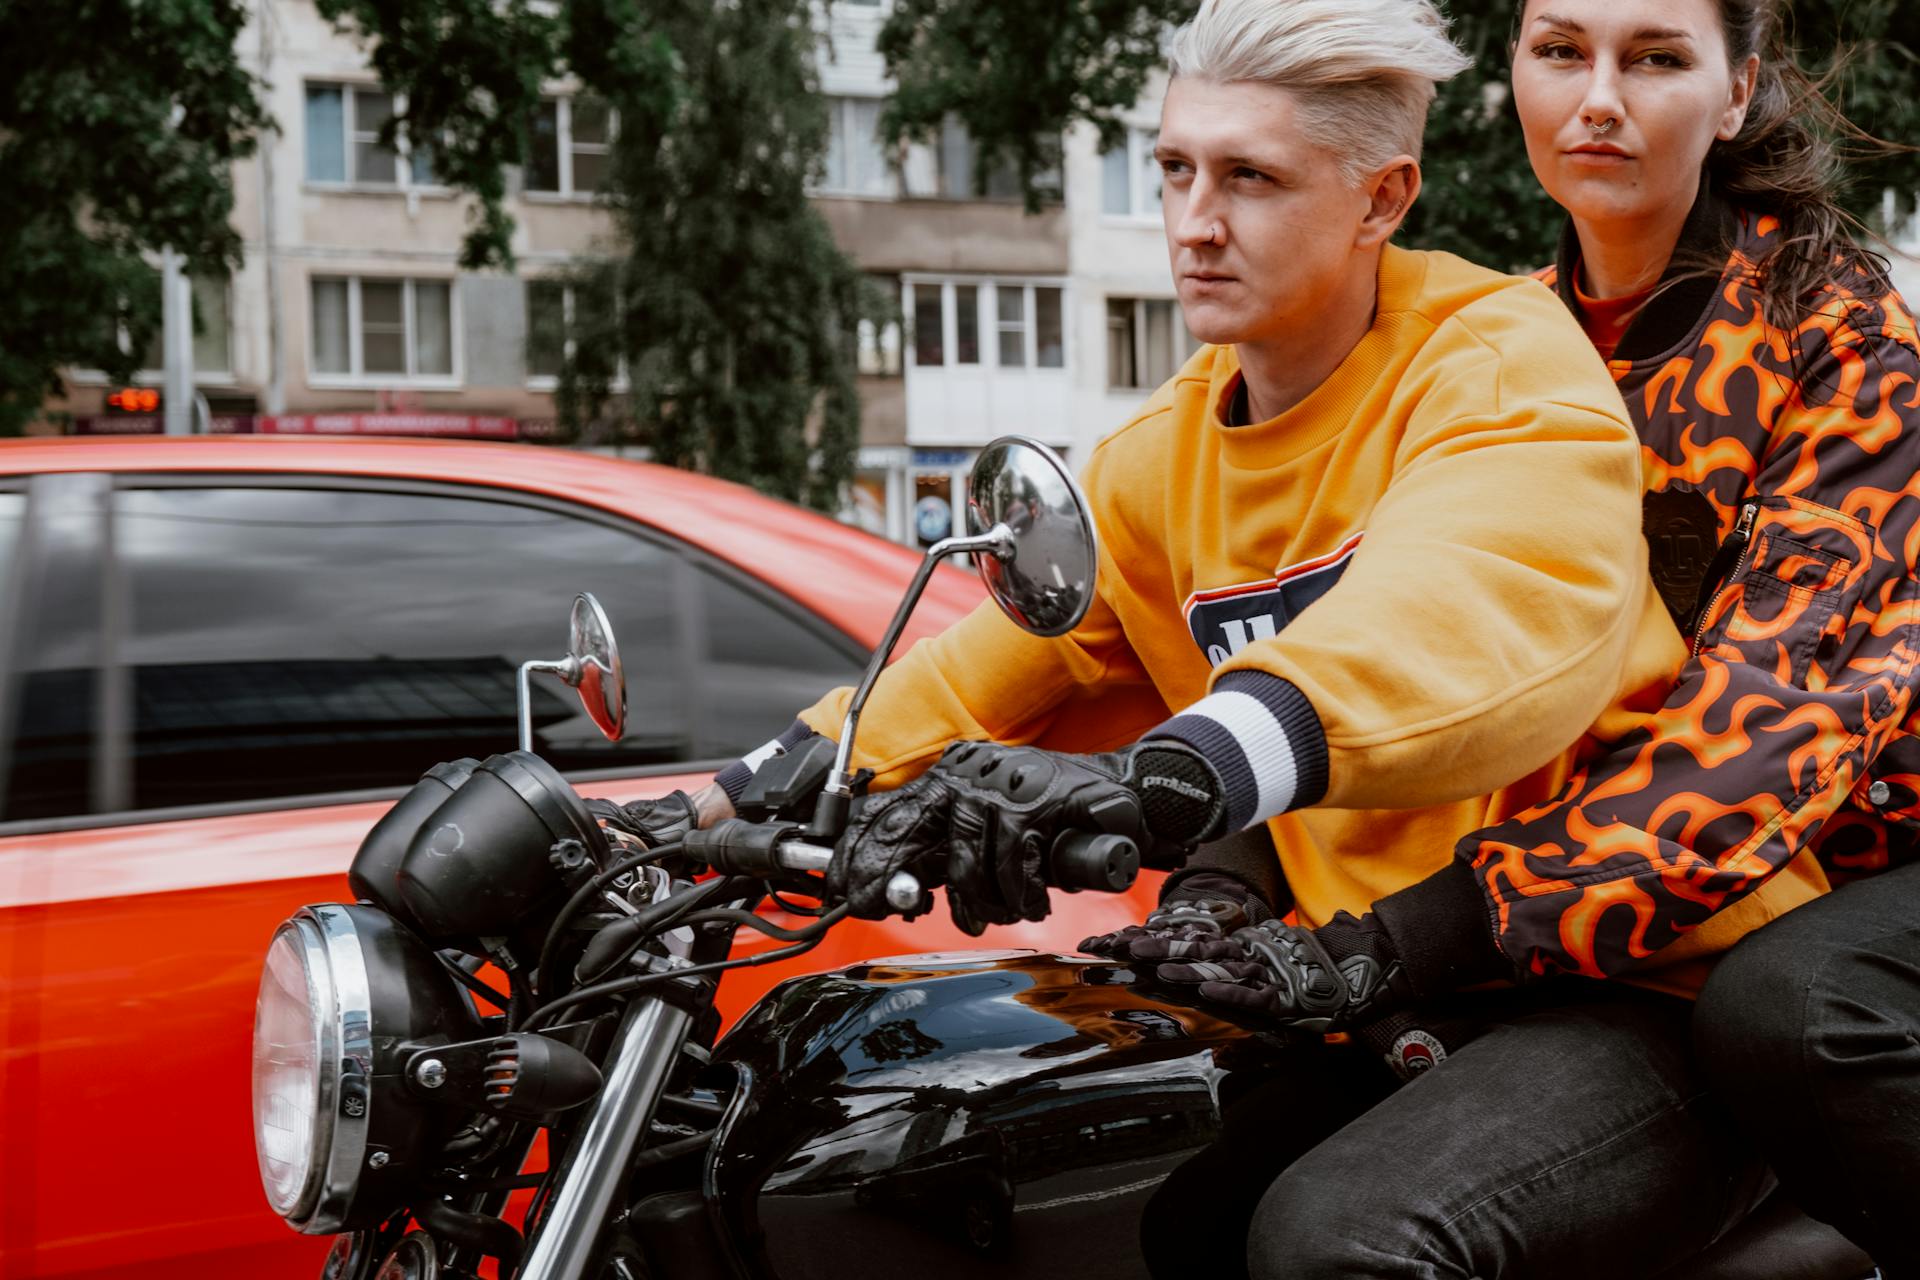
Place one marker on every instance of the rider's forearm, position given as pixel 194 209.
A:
pixel 712 804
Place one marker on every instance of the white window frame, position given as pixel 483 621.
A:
pixel 1177 331
pixel 990 323
pixel 841 105
pixel 1139 149
pixel 357 378
pixel 403 154
pixel 547 382
pixel 563 138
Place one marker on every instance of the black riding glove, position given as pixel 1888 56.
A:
pixel 984 821
pixel 1201 907
pixel 664 820
pixel 1344 974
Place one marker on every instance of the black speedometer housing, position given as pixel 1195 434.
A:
pixel 374 875
pixel 481 865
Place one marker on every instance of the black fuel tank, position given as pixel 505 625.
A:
pixel 949 1115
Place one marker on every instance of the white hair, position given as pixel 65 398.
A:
pixel 1364 70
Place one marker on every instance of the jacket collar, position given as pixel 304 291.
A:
pixel 1684 291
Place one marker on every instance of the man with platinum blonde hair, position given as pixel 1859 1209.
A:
pixel 1371 578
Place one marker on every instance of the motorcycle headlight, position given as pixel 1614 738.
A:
pixel 345 995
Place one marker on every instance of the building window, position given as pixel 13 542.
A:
pixel 966 315
pixel 559 316
pixel 343 140
pixel 1130 177
pixel 382 328
pixel 1146 342
pixel 548 345
pixel 1012 303
pixel 857 160
pixel 571 141
pixel 929 328
pixel 878 346
pixel 212 332
pixel 1025 330
pixel 953 177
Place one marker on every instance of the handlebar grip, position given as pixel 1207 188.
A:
pixel 1104 863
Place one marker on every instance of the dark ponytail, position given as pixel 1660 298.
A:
pixel 1788 161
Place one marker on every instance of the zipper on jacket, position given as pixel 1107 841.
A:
pixel 1737 542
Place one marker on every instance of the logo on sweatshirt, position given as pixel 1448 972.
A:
pixel 1225 620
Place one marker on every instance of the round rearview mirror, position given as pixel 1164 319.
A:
pixel 1041 571
pixel 595 667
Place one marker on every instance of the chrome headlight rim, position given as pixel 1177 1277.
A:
pixel 346 1085
pixel 341 997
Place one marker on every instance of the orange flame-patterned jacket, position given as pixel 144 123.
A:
pixel 1783 516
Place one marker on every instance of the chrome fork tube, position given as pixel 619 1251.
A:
pixel 644 1049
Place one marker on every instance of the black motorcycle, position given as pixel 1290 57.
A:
pixel 944 1115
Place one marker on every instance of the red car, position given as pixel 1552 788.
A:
pixel 220 661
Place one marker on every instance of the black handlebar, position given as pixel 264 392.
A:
pixel 1080 861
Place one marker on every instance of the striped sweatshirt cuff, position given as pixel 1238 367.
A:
pixel 1262 737
pixel 734 778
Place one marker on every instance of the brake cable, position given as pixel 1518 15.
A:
pixel 624 986
pixel 587 892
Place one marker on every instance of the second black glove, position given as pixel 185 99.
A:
pixel 1011 804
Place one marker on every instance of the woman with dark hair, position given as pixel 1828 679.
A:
pixel 1774 377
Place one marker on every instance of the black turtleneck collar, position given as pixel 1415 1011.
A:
pixel 1685 291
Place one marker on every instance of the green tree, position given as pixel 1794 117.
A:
pixel 120 121
pixel 721 296
pixel 1018 72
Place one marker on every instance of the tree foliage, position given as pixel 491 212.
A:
pixel 1018 72
pixel 721 297
pixel 120 121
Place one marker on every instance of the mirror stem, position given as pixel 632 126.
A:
pixel 524 693
pixel 998 542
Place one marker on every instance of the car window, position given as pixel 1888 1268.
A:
pixel 759 668
pixel 291 641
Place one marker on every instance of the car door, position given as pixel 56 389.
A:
pixel 216 685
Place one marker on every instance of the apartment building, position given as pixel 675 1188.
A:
pixel 350 312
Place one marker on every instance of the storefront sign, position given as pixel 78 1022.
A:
pixel 388 424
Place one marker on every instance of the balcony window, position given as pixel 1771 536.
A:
pixel 1025 327
pixel 1146 342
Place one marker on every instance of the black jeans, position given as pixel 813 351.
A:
pixel 1570 1136
pixel 1811 1029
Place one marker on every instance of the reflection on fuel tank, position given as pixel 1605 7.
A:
pixel 1006 1106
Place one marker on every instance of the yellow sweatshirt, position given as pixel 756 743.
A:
pixel 1387 616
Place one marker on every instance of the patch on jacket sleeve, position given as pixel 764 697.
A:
pixel 1225 620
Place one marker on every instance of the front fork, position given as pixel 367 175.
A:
pixel 594 1169
pixel 646 1045
pixel 645 1048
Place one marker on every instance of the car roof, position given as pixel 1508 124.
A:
pixel 849 577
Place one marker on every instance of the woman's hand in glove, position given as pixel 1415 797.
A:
pixel 1196 913
pixel 663 820
pixel 1343 974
